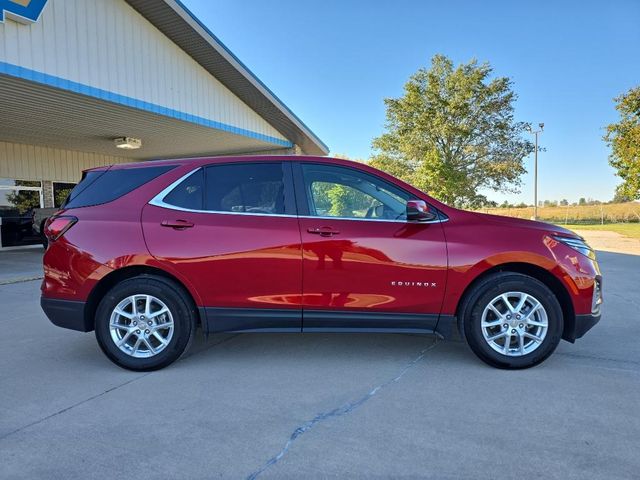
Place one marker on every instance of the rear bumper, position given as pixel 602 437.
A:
pixel 581 325
pixel 66 313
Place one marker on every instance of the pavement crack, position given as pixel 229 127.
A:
pixel 77 404
pixel 98 395
pixel 338 412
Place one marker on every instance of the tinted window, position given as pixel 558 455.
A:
pixel 189 193
pixel 87 179
pixel 97 187
pixel 347 193
pixel 248 187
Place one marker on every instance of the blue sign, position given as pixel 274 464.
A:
pixel 22 10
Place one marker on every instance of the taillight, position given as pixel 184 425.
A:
pixel 57 226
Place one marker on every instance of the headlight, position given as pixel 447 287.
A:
pixel 577 244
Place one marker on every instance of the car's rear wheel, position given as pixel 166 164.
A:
pixel 512 320
pixel 145 323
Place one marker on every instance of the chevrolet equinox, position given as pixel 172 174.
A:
pixel 144 253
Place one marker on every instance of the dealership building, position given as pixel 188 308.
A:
pixel 89 83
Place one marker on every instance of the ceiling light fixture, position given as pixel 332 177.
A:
pixel 127 143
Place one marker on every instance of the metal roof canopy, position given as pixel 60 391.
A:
pixel 37 114
pixel 173 19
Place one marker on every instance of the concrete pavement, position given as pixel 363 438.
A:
pixel 21 264
pixel 320 405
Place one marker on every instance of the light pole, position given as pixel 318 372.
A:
pixel 535 169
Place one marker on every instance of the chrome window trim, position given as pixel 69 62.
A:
pixel 158 201
pixel 357 219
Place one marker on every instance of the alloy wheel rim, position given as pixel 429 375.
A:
pixel 141 326
pixel 514 324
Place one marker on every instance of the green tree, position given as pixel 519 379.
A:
pixel 24 200
pixel 340 200
pixel 624 139
pixel 621 196
pixel 61 195
pixel 453 133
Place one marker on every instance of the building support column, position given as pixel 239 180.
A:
pixel 47 193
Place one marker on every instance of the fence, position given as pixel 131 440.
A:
pixel 576 214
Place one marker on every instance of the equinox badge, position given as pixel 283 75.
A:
pixel 395 283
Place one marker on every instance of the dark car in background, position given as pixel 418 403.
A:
pixel 40 216
pixel 16 227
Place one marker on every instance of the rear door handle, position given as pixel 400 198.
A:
pixel 177 224
pixel 323 231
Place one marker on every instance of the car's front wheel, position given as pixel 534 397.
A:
pixel 145 323
pixel 512 320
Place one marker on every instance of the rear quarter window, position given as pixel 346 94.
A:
pixel 189 193
pixel 103 186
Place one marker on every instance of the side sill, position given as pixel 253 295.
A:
pixel 377 322
pixel 421 331
pixel 218 319
pixel 249 320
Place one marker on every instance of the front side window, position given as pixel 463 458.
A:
pixel 347 193
pixel 245 188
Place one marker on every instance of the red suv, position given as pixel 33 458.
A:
pixel 145 253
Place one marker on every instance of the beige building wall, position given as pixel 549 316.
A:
pixel 32 162
pixel 29 162
pixel 108 47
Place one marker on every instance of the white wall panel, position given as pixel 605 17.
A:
pixel 106 44
pixel 29 162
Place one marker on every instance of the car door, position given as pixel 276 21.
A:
pixel 232 231
pixel 364 265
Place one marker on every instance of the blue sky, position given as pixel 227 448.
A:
pixel 333 62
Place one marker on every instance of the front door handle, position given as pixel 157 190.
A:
pixel 177 224
pixel 323 231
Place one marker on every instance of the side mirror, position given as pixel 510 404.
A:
pixel 418 211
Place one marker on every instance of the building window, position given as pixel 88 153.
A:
pixel 18 200
pixel 61 192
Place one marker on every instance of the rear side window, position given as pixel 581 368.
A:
pixel 102 186
pixel 248 188
pixel 189 193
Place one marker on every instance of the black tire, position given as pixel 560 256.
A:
pixel 177 301
pixel 486 290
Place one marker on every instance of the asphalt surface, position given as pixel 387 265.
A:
pixel 320 405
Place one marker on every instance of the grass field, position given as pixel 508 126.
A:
pixel 577 214
pixel 627 229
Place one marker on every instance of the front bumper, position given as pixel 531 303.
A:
pixel 66 313
pixel 581 325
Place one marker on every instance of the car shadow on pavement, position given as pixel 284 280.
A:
pixel 319 348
